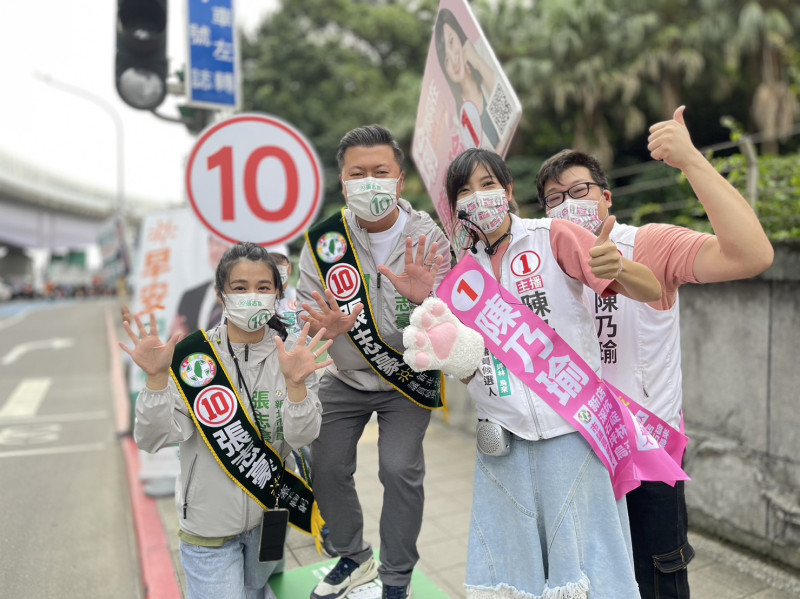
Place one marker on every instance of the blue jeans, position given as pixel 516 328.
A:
pixel 228 572
pixel 545 523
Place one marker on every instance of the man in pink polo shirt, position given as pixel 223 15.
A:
pixel 640 343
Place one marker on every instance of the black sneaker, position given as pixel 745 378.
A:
pixel 390 592
pixel 345 576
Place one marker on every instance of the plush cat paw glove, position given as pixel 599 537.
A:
pixel 436 340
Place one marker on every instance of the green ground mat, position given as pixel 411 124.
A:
pixel 298 584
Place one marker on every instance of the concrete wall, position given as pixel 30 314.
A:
pixel 741 381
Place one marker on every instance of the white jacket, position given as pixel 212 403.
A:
pixel 209 503
pixel 530 272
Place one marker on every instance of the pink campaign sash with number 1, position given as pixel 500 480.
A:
pixel 633 449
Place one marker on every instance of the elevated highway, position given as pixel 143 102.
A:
pixel 42 210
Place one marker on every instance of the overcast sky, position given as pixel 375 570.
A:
pixel 74 42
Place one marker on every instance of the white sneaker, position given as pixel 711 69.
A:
pixel 345 576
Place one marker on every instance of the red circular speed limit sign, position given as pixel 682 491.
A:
pixel 254 177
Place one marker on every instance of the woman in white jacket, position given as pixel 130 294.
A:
pixel 545 522
pixel 219 519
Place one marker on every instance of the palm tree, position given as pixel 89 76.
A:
pixel 763 37
pixel 568 63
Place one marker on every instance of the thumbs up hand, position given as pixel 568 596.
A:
pixel 670 141
pixel 604 258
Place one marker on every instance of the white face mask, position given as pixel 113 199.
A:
pixel 486 209
pixel 284 270
pixel 370 198
pixel 581 212
pixel 249 311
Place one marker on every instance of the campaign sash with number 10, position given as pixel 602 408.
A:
pixel 339 269
pixel 234 438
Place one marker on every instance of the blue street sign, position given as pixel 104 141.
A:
pixel 212 77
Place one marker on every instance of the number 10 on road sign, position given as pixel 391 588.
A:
pixel 253 177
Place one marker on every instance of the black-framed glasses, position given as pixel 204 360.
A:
pixel 576 192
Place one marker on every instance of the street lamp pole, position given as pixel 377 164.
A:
pixel 110 111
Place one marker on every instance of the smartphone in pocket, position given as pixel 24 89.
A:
pixel 273 535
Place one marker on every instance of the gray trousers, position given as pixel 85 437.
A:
pixel 401 430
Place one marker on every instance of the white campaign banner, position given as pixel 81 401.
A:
pixel 172 258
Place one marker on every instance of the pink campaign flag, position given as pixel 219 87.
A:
pixel 530 349
pixel 466 102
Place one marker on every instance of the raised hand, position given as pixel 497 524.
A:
pixel 148 352
pixel 297 365
pixel 416 281
pixel 604 258
pixel 670 142
pixel 329 317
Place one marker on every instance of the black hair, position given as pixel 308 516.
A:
pixel 248 250
pixel 460 171
pixel 369 136
pixel 558 164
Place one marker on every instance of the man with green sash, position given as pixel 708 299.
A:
pixel 348 285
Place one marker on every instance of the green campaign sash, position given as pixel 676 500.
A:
pixel 234 440
pixel 340 270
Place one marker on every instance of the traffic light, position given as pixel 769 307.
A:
pixel 196 119
pixel 141 65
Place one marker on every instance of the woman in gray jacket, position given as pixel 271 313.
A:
pixel 237 399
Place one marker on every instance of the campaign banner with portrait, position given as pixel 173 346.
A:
pixel 466 102
pixel 172 267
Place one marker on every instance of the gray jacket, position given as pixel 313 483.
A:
pixel 209 503
pixel 349 365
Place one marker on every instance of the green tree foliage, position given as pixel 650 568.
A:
pixel 591 74
pixel 327 66
pixel 778 204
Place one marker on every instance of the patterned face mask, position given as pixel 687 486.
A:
pixel 485 209
pixel 284 271
pixel 584 213
pixel 371 198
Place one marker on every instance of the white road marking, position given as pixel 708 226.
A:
pixel 98 415
pixel 8 322
pixel 53 450
pixel 30 434
pixel 26 398
pixel 23 348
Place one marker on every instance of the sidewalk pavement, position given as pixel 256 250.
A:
pixel 718 570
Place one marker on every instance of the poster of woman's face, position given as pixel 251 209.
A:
pixel 466 100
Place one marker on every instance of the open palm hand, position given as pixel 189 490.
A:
pixel 299 363
pixel 148 351
pixel 417 280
